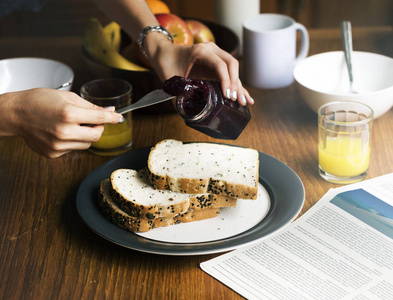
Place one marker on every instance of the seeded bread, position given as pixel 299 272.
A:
pixel 118 217
pixel 134 195
pixel 198 168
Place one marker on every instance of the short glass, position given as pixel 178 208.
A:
pixel 344 135
pixel 116 138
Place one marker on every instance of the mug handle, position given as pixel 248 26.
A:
pixel 305 42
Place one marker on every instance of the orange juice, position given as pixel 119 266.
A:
pixel 344 156
pixel 114 139
pixel 111 92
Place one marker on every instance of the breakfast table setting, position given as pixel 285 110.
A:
pixel 52 247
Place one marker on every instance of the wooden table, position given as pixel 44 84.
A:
pixel 47 252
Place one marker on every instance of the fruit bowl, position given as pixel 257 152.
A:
pixel 145 81
pixel 323 78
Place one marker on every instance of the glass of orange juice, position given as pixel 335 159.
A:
pixel 344 135
pixel 116 138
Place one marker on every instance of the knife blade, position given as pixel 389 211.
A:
pixel 152 98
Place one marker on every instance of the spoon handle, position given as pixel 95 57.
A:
pixel 346 32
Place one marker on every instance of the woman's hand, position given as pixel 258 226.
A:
pixel 53 122
pixel 205 61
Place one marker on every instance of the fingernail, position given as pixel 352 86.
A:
pixel 234 95
pixel 109 108
pixel 243 99
pixel 121 120
pixel 252 100
pixel 228 93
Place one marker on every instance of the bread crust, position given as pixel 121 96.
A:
pixel 211 201
pixel 201 185
pixel 135 209
pixel 194 201
pixel 134 224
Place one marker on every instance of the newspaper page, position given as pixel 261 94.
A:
pixel 342 248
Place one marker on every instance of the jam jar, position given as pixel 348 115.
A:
pixel 203 107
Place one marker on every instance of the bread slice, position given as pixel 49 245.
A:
pixel 134 224
pixel 134 195
pixel 204 168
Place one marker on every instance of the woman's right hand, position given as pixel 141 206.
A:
pixel 53 122
pixel 203 60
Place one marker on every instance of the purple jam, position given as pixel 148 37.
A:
pixel 204 108
pixel 192 93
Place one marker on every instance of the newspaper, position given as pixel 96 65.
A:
pixel 341 248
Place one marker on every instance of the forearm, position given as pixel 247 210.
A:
pixel 131 15
pixel 205 60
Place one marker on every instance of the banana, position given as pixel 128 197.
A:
pixel 100 49
pixel 112 33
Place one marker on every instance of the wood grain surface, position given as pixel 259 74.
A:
pixel 47 252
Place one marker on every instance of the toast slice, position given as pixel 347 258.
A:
pixel 198 168
pixel 133 194
pixel 134 224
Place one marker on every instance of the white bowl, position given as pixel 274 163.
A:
pixel 323 78
pixel 24 73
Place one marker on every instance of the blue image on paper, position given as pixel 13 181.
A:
pixel 368 209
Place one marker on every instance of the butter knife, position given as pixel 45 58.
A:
pixel 152 98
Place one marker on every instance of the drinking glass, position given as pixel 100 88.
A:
pixel 344 135
pixel 116 138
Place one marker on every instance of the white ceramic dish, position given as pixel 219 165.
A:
pixel 323 78
pixel 280 199
pixel 230 222
pixel 24 73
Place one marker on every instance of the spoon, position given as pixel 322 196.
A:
pixel 346 33
pixel 64 85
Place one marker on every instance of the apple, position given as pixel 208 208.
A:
pixel 177 27
pixel 200 32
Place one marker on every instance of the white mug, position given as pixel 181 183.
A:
pixel 269 50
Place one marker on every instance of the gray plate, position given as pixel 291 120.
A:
pixel 285 189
